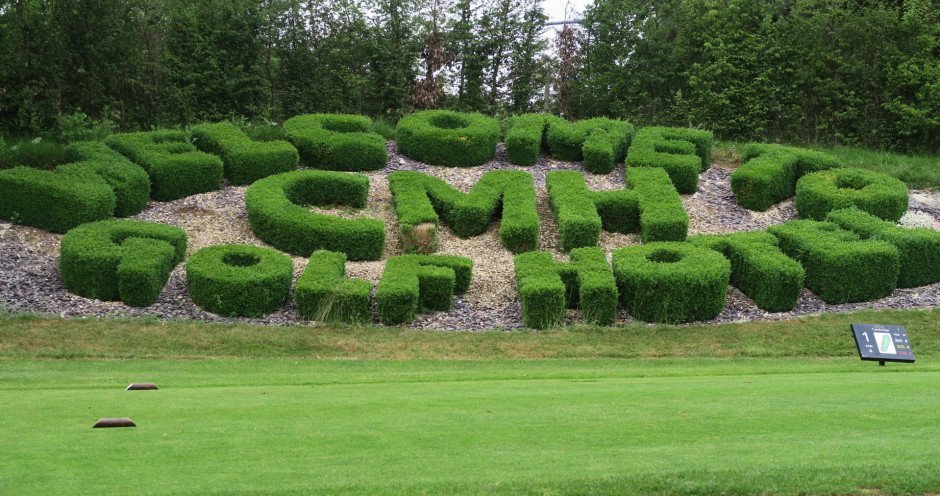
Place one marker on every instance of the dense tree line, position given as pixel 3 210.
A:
pixel 856 72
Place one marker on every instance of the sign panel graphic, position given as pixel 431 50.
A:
pixel 883 343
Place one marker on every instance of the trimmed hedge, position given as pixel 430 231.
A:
pixel 443 137
pixel 600 143
pixel 758 268
pixel 683 153
pixel 278 215
pixel 546 287
pixel 130 183
pixel 769 173
pixel 239 280
pixel 325 294
pixel 526 137
pixel 918 248
pixel 126 260
pixel 879 194
pixel 649 205
pixel 244 160
pixel 413 283
pixel 671 282
pixel 420 198
pixel 51 201
pixel 340 142
pixel 840 267
pixel 176 168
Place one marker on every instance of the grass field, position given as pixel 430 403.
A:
pixel 779 408
pixel 918 171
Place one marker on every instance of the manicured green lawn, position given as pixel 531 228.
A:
pixel 276 426
pixel 769 408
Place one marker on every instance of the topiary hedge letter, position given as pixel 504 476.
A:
pixel 599 143
pixel 442 137
pixel 546 287
pixel 671 282
pixel 419 199
pixel 840 266
pixel 879 194
pixel 413 283
pixel 325 294
pixel 176 168
pixel 683 153
pixel 768 173
pixel 239 280
pixel 277 213
pixel 126 260
pixel 340 142
pixel 245 160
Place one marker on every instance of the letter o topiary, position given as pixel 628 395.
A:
pixel 278 214
pixel 126 260
pixel 879 194
pixel 239 280
pixel 671 282
pixel 442 137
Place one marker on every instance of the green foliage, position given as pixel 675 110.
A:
pixel 819 193
pixel 649 205
pixel 600 143
pixel 37 153
pixel 526 137
pixel 239 280
pixel 245 161
pixel 176 168
pixel 278 215
pixel 840 266
pixel 683 153
pixel 78 126
pixel 325 294
pixel 546 287
pixel 769 173
pixel 126 260
pixel 53 201
pixel 130 183
pixel 918 248
pixel 413 283
pixel 420 198
pixel 671 282
pixel 758 268
pixel 337 142
pixel 442 137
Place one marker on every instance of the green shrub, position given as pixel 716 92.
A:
pixel 840 267
pixel 671 282
pixel 600 142
pixel 37 153
pixel 176 168
pixel 442 137
pixel 126 260
pixel 546 287
pixel 758 268
pixel 419 199
pixel 278 215
pixel 52 201
pixel 130 183
pixel 769 173
pixel 239 280
pixel 649 205
pixel 683 153
pixel 526 137
pixel 244 160
pixel 879 194
pixel 337 142
pixel 79 126
pixel 325 294
pixel 413 283
pixel 918 248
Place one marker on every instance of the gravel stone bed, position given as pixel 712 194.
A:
pixel 30 281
